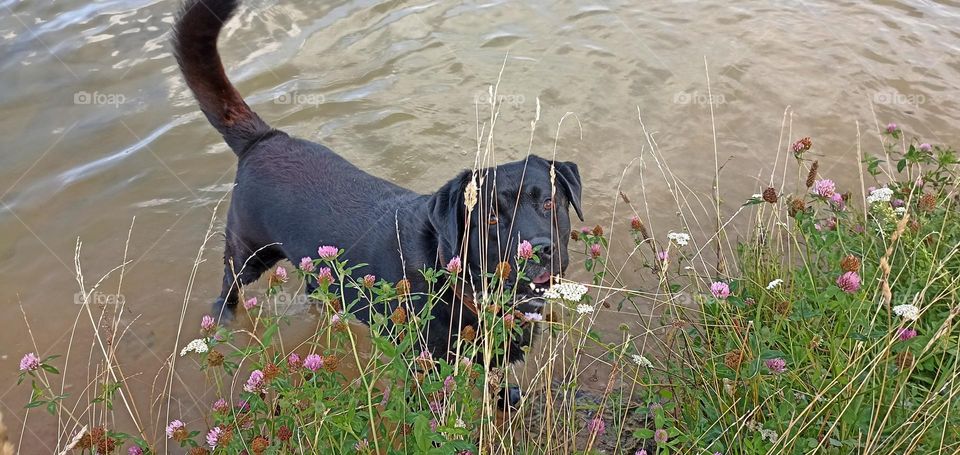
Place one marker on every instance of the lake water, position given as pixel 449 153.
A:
pixel 98 128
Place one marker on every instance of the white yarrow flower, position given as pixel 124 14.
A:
pixel 774 283
pixel 569 291
pixel 882 194
pixel 583 308
pixel 641 361
pixel 199 346
pixel 908 311
pixel 680 238
pixel 900 210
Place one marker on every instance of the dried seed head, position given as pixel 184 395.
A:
pixel 783 308
pixel 399 316
pixel 575 235
pixel 597 230
pixel 914 226
pixel 259 445
pixel 637 225
pixel 904 360
pixel 284 433
pixel 468 333
pixel 331 362
pixel 495 380
pixel 336 306
pixel 181 434
pixel 503 270
pixel 102 441
pixel 733 359
pixel 927 203
pixel 850 263
pixel 271 371
pixel 796 206
pixel 225 437
pixel 770 195
pixel 470 194
pixel 199 451
pixel 812 174
pixel 403 287
pixel 85 442
pixel 214 358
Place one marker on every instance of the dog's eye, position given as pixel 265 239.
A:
pixel 548 204
pixel 493 219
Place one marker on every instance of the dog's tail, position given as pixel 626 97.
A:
pixel 195 47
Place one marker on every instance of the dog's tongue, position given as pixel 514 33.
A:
pixel 543 278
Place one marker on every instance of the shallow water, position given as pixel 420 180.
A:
pixel 98 127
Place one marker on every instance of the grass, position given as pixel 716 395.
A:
pixel 749 346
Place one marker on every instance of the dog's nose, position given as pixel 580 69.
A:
pixel 546 246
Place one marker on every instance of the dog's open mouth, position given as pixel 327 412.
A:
pixel 530 292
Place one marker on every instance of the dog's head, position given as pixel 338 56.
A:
pixel 523 200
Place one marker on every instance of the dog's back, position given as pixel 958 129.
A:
pixel 291 195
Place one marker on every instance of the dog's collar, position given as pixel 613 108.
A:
pixel 459 288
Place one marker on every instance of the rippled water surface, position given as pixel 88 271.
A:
pixel 97 126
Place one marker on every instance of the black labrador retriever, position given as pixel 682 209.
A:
pixel 292 196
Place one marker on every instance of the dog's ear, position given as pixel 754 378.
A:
pixel 568 178
pixel 447 214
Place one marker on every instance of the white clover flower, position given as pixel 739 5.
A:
pixel 882 194
pixel 774 283
pixel 641 361
pixel 680 238
pixel 199 346
pixel 907 311
pixel 900 210
pixel 569 291
pixel 583 308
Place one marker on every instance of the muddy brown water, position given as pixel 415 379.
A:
pixel 97 128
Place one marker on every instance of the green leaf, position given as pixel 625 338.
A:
pixel 643 433
pixel 269 333
pixel 35 403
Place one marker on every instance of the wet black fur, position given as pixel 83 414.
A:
pixel 293 195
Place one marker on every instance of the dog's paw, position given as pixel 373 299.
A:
pixel 510 396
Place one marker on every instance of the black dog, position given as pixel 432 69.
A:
pixel 292 195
